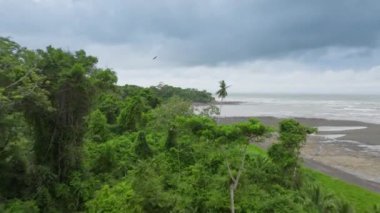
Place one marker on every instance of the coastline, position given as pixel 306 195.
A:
pixel 218 103
pixel 352 155
pixel 369 135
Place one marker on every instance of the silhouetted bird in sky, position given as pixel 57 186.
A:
pixel 154 58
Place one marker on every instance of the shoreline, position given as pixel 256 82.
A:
pixel 218 103
pixel 337 173
pixel 347 157
pixel 370 135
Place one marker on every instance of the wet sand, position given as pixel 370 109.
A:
pixel 355 157
pixel 218 103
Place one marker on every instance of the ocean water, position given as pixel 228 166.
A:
pixel 364 108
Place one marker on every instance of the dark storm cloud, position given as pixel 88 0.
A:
pixel 202 32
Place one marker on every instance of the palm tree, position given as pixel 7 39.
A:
pixel 222 92
pixel 234 180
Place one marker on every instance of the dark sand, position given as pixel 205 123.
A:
pixel 218 103
pixel 349 161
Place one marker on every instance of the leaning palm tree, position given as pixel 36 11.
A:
pixel 222 93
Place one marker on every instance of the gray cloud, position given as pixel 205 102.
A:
pixel 202 32
pixel 197 41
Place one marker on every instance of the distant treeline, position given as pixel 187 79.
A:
pixel 165 92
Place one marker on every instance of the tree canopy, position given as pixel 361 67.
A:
pixel 71 140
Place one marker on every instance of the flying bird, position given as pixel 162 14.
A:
pixel 154 58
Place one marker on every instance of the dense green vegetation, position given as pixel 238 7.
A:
pixel 165 92
pixel 361 199
pixel 73 141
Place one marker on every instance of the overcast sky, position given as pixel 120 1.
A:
pixel 294 46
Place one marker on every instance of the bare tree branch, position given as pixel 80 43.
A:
pixel 230 173
pixel 235 181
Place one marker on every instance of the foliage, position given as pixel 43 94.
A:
pixel 142 149
pixel 97 129
pixel 131 116
pixel 103 80
pixel 112 199
pixel 286 153
pixel 361 199
pixel 58 133
pixel 162 117
pixel 19 87
pixel 171 138
pixel 112 157
pixel 19 206
pixel 110 106
pixel 166 92
pixel 71 140
pixel 13 167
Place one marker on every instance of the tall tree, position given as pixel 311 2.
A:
pixel 19 88
pixel 286 153
pixel 142 149
pixel 19 85
pixel 58 133
pixel 234 179
pixel 222 93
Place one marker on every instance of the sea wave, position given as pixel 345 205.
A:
pixel 357 108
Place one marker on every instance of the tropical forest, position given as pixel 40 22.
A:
pixel 73 140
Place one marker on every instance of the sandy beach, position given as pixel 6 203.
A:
pixel 349 150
